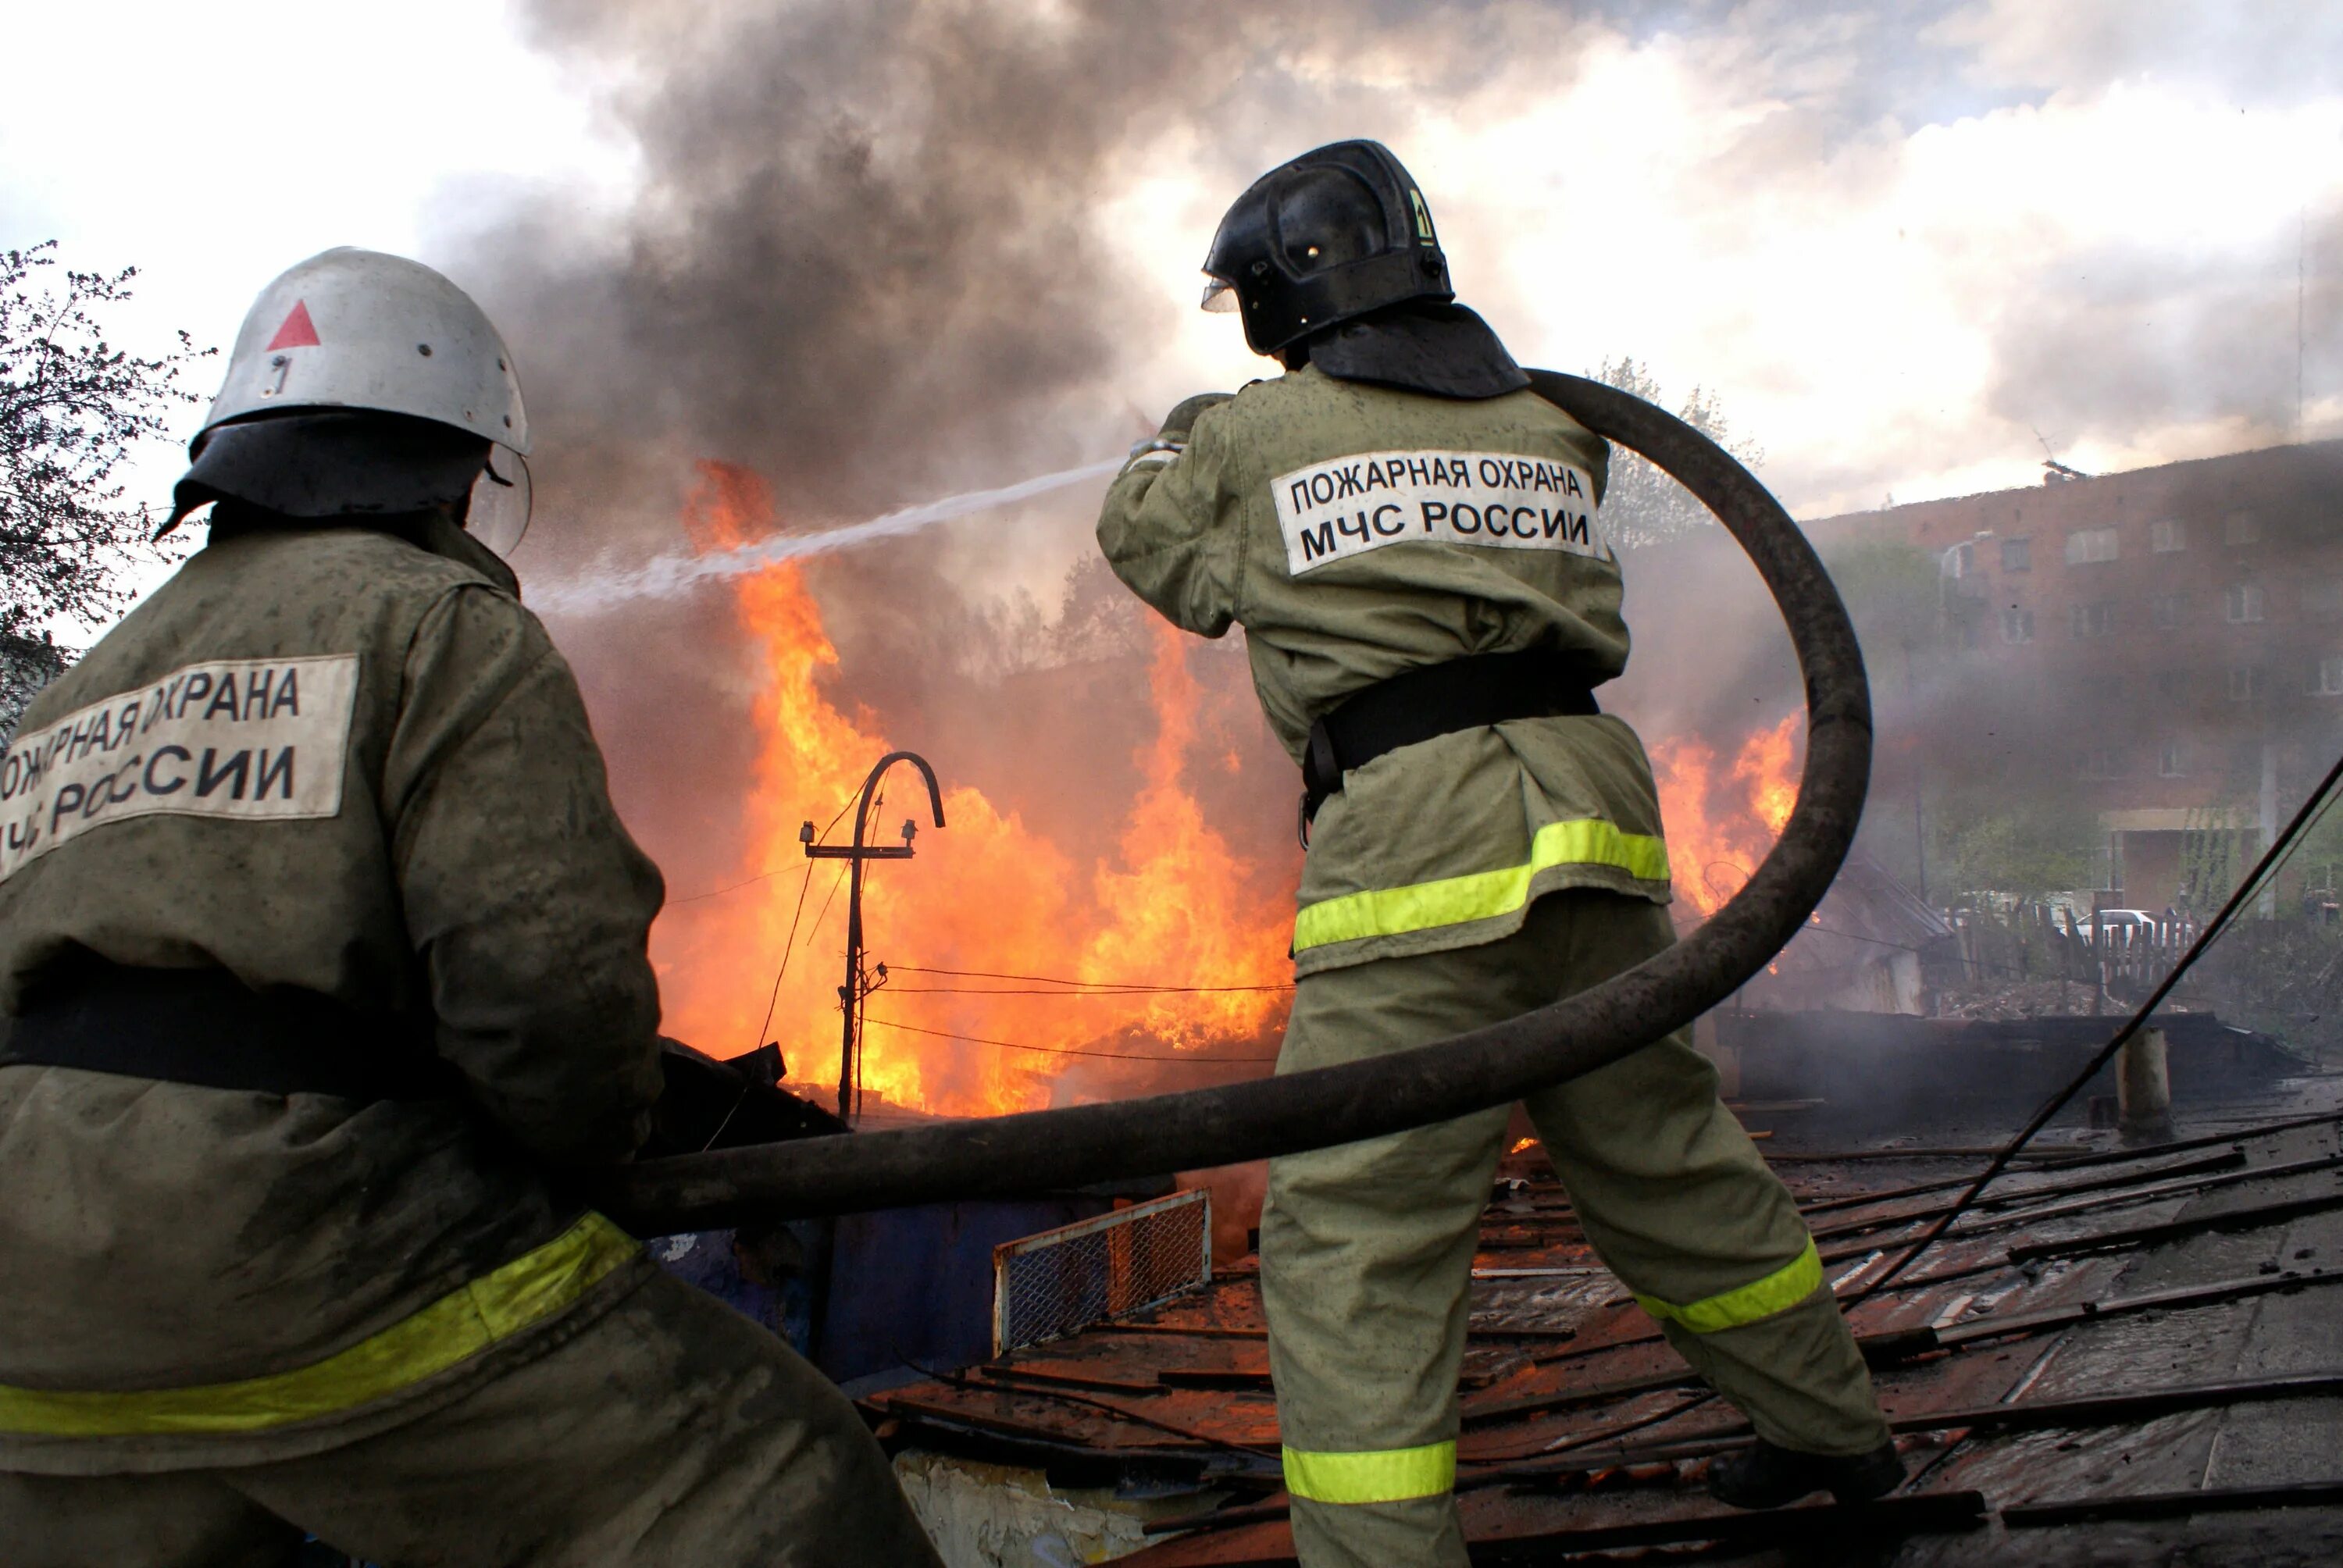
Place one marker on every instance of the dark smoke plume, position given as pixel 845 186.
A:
pixel 867 265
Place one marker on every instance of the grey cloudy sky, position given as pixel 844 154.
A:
pixel 1895 240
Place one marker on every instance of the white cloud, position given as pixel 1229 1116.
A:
pixel 1775 202
pixel 214 146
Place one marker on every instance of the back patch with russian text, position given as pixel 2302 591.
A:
pixel 1338 508
pixel 265 740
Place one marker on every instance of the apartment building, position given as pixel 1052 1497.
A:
pixel 2176 632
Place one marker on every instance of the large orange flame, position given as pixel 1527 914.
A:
pixel 1721 821
pixel 1175 908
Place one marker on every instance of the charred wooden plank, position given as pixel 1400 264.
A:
pixel 2173 1505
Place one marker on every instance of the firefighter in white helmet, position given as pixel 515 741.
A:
pixel 322 956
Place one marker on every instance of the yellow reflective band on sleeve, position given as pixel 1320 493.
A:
pixel 1387 1475
pixel 1479 894
pixel 531 1288
pixel 1778 1292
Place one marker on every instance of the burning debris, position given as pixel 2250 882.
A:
pixel 1022 963
pixel 1723 816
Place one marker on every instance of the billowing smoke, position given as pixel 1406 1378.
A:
pixel 882 252
pixel 871 265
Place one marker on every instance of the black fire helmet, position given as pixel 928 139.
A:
pixel 1332 235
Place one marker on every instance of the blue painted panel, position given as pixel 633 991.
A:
pixel 905 1284
pixel 708 1259
pixel 916 1284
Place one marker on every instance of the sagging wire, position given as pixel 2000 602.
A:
pixel 789 944
pixel 774 999
pixel 1070 1051
pixel 2315 807
pixel 1103 994
pixel 1078 985
pixel 727 888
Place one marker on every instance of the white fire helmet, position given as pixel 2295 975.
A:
pixel 359 330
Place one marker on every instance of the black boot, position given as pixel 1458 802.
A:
pixel 1766 1476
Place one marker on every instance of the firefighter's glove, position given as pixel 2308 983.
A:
pixel 1172 439
pixel 1183 420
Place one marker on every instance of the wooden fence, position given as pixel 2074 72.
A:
pixel 2036 941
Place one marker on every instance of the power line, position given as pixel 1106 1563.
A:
pixel 1106 986
pixel 727 888
pixel 759 877
pixel 1101 995
pixel 787 943
pixel 773 1001
pixel 2265 869
pixel 1070 1051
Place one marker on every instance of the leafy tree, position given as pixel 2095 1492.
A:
pixel 1981 841
pixel 1642 505
pixel 1893 595
pixel 72 406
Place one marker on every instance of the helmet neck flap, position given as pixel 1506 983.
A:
pixel 334 463
pixel 1421 346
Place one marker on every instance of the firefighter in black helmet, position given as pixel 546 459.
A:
pixel 1413 544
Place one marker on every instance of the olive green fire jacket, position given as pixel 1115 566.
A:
pixel 334 759
pixel 1356 532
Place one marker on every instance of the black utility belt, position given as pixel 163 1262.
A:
pixel 1438 699
pixel 204 1027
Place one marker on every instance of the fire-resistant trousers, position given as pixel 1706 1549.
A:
pixel 669 1431
pixel 1366 1250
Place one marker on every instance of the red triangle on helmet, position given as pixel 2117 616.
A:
pixel 299 331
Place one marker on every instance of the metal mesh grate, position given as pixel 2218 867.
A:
pixel 1051 1284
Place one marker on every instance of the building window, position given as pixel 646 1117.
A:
pixel 2167 535
pixel 2016 625
pixel 2247 683
pixel 2016 555
pixel 2091 545
pixel 2322 599
pixel 2327 679
pixel 2171 759
pixel 2105 762
pixel 2093 619
pixel 2171 609
pixel 1960 561
pixel 2246 602
pixel 2242 529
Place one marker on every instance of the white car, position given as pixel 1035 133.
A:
pixel 2112 920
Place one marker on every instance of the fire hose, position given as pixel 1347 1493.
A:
pixel 999 1156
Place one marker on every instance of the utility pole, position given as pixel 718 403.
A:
pixel 1919 789
pixel 857 854
pixel 2266 905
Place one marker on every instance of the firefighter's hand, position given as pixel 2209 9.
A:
pixel 1183 420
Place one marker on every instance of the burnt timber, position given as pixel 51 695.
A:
pixel 2124 1355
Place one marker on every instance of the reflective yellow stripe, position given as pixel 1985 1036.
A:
pixel 1778 1291
pixel 1388 1475
pixel 527 1291
pixel 1480 895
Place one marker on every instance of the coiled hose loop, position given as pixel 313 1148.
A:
pixel 1037 1151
